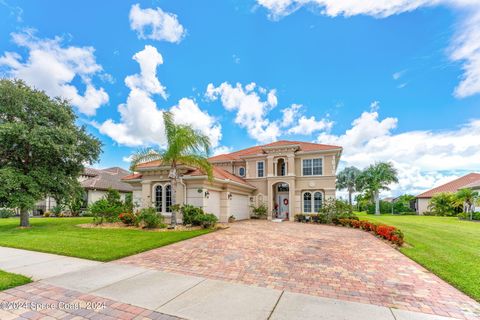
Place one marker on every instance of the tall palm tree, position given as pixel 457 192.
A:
pixel 375 178
pixel 466 198
pixel 347 179
pixel 185 146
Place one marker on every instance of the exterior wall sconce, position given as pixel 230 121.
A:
pixel 229 196
pixel 251 199
pixel 207 194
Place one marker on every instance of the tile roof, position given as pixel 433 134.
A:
pixel 218 173
pixel 104 179
pixel 303 146
pixel 452 186
pixel 475 184
pixel 133 176
pixel 222 174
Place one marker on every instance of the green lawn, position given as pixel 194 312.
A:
pixel 62 236
pixel 10 280
pixel 448 247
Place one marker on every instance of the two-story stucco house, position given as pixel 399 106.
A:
pixel 290 177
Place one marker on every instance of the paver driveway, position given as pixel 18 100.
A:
pixel 326 261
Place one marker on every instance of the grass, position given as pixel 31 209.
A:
pixel 448 247
pixel 10 280
pixel 62 236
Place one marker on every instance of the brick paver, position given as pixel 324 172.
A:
pixel 326 261
pixel 42 301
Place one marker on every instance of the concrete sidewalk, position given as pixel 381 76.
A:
pixel 189 297
pixel 38 265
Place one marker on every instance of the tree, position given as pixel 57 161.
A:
pixel 347 179
pixel 375 178
pixel 184 146
pixel 42 150
pixel 466 198
pixel 443 204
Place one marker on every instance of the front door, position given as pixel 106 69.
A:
pixel 283 206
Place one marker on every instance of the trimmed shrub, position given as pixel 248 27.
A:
pixel 104 211
pixel 206 220
pixel 259 212
pixel 386 232
pixel 128 218
pixel 149 219
pixel 6 213
pixel 189 212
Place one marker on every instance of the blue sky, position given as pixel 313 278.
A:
pixel 389 84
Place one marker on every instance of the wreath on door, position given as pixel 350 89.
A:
pixel 285 202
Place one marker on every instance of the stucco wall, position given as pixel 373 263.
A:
pixel 422 205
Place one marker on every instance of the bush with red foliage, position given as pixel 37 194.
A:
pixel 389 233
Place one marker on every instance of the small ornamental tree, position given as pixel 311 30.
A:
pixel 42 150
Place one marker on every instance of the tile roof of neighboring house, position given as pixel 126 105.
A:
pixel 304 146
pixel 104 179
pixel 475 184
pixel 452 186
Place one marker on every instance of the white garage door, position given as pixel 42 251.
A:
pixel 213 203
pixel 239 207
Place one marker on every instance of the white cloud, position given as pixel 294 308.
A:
pixel 251 107
pixel 422 157
pixel 187 112
pixel 141 121
pixel 397 75
pixel 52 67
pixel 221 150
pixel 253 104
pixel 290 114
pixel 306 126
pixel 156 24
pixel 465 46
pixel 148 59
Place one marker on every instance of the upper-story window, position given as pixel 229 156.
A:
pixel 260 169
pixel 281 167
pixel 241 172
pixel 312 167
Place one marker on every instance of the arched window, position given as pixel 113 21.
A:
pixel 158 198
pixel 307 202
pixel 241 172
pixel 168 198
pixel 317 201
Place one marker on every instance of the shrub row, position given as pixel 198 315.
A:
pixel 386 232
pixel 147 218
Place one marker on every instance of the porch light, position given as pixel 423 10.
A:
pixel 251 199
pixel 229 196
pixel 207 194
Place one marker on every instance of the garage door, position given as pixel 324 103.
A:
pixel 213 203
pixel 240 207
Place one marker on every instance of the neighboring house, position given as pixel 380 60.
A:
pixel 389 199
pixel 290 177
pixel 96 183
pixel 475 186
pixel 423 199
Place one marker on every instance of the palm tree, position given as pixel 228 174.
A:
pixel 185 146
pixel 375 178
pixel 466 198
pixel 347 179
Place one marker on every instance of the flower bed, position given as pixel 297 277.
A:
pixel 386 232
